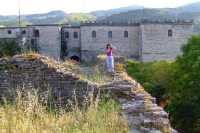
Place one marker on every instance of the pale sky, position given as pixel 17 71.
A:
pixel 11 7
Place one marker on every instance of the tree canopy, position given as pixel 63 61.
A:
pixel 184 107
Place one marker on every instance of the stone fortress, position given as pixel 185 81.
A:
pixel 141 41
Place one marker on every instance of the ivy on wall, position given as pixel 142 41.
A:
pixel 29 46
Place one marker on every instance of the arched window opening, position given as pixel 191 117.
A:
pixel 169 32
pixel 125 34
pixel 110 34
pixel 75 34
pixel 37 33
pixel 67 34
pixel 93 34
pixel 9 31
pixel 24 32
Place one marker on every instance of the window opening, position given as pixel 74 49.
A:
pixel 67 34
pixel 37 33
pixel 169 32
pixel 125 34
pixel 110 34
pixel 9 31
pixel 93 34
pixel 75 34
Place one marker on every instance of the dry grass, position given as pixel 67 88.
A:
pixel 28 115
pixel 29 55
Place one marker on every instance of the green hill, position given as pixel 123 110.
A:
pixel 14 23
pixel 123 14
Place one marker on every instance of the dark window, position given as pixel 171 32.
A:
pixel 75 34
pixel 169 32
pixel 24 32
pixel 125 33
pixel 37 33
pixel 67 34
pixel 110 34
pixel 9 31
pixel 93 34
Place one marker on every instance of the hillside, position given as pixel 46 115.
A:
pixel 123 14
pixel 47 18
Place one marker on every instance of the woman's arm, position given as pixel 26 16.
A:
pixel 113 47
pixel 107 50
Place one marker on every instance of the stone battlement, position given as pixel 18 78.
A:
pixel 143 21
pixel 98 23
pixel 169 21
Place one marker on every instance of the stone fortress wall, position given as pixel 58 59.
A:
pixel 50 80
pixel 157 45
pixel 48 39
pixel 144 41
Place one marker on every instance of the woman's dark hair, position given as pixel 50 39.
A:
pixel 107 45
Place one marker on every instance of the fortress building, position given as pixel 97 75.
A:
pixel 142 41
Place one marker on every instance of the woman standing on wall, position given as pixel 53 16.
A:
pixel 109 57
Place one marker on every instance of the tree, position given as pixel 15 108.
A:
pixel 9 48
pixel 184 107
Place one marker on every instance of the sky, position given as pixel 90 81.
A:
pixel 11 7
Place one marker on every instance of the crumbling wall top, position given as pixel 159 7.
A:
pixel 103 23
pixel 169 21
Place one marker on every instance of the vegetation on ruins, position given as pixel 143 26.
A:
pixel 174 84
pixel 9 48
pixel 153 76
pixel 30 113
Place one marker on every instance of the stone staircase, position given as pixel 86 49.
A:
pixel 139 108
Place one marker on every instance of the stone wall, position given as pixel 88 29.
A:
pixel 157 45
pixel 146 41
pixel 73 44
pixel 49 40
pixel 12 32
pixel 48 77
pixel 126 47
pixel 42 73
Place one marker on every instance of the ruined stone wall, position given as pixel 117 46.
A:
pixel 15 32
pixel 157 45
pixel 41 73
pixel 73 44
pixel 49 40
pixel 48 77
pixel 126 46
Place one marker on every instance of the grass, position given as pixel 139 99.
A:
pixel 97 76
pixel 29 55
pixel 29 114
pixel 34 114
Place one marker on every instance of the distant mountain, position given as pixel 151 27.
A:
pixel 49 14
pixel 72 18
pixel 53 17
pixel 100 13
pixel 123 14
pixel 194 7
pixel 153 14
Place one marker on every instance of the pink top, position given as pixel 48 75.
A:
pixel 110 52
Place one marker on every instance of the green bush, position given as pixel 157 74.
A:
pixel 153 76
pixel 9 48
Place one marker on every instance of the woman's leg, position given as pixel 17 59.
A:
pixel 108 63
pixel 112 63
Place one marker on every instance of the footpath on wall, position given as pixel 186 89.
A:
pixel 139 108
